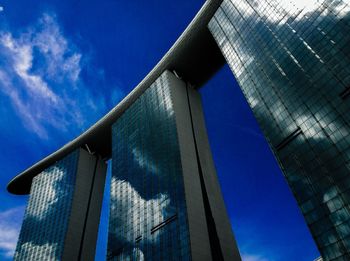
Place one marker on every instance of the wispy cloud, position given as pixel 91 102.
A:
pixel 40 73
pixel 21 59
pixel 253 257
pixel 1 8
pixel 10 222
pixel 254 247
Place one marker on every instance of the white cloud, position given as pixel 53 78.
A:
pixel 1 8
pixel 10 224
pixel 41 76
pixel 22 59
pixel 49 180
pixel 131 218
pixel 144 161
pixel 22 108
pixel 61 59
pixel 44 252
pixel 250 257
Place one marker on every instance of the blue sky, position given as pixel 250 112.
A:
pixel 64 64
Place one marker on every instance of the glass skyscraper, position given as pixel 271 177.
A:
pixel 148 211
pixel 292 62
pixel 46 217
pixel 154 214
pixel 61 218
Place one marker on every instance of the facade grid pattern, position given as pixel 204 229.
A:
pixel 148 217
pixel 292 62
pixel 47 214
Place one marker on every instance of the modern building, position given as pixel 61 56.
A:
pixel 62 216
pixel 292 62
pixel 164 189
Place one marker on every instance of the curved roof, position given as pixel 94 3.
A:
pixel 195 56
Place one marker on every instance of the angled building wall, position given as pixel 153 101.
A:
pixel 158 200
pixel 292 62
pixel 60 218
pixel 221 238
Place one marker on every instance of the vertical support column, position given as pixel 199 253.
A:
pixel 199 237
pixel 80 242
pixel 94 212
pixel 218 214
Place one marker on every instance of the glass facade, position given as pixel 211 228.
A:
pixel 148 217
pixel 292 62
pixel 47 214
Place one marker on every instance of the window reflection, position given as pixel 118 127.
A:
pixel 147 185
pixel 291 60
pixel 47 214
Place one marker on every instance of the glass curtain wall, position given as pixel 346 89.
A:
pixel 292 62
pixel 47 214
pixel 148 218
